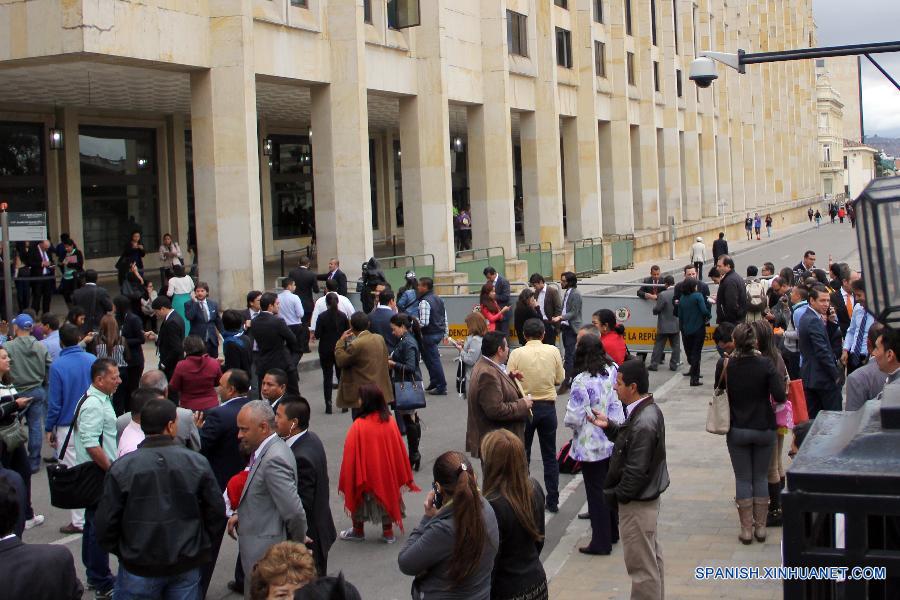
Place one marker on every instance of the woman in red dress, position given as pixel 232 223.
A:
pixel 612 334
pixel 374 470
pixel 489 307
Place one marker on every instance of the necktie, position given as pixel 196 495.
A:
pixel 849 301
pixel 205 310
pixel 43 260
pixel 331 275
pixel 860 334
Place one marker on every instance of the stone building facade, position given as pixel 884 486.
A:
pixel 247 125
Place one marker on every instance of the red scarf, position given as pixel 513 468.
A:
pixel 375 462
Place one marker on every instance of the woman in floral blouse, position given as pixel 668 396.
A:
pixel 593 389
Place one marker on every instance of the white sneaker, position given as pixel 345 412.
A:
pixel 34 521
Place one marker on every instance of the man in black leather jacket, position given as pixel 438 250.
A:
pixel 161 491
pixel 637 477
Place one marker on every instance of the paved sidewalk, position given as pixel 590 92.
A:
pixel 698 523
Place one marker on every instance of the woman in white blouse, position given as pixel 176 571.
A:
pixel 181 287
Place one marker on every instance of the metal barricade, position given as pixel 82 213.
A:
pixel 395 267
pixel 622 251
pixel 588 256
pixel 538 256
pixel 473 262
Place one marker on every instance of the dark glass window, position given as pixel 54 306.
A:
pixel 629 66
pixel 300 3
pixel 675 22
pixel 564 48
pixel 653 32
pixel 598 11
pixel 561 3
pixel 291 175
pixel 367 11
pixel 403 13
pixel 656 75
pixel 119 188
pixel 22 178
pixel 373 182
pixel 678 86
pixel 516 33
pixel 628 17
pixel 600 59
pixel 189 172
pixel 398 183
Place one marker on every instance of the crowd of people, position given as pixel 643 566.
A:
pixel 217 439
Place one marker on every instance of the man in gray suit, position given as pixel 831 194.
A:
pixel 270 510
pixel 569 322
pixel 666 327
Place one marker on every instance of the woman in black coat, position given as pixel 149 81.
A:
pixel 329 327
pixel 526 308
pixel 132 328
pixel 404 365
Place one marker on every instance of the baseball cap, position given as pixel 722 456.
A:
pixel 23 321
pixel 410 275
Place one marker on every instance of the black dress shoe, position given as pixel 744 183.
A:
pixel 696 382
pixel 587 550
pixel 328 409
pixel 237 588
pixel 552 508
pixel 584 515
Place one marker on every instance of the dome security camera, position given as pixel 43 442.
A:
pixel 703 72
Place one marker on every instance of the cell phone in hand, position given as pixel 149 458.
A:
pixel 438 497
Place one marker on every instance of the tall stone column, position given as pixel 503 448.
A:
pixel 541 178
pixel 490 141
pixel 226 158
pixel 646 192
pixel 70 175
pixel 177 177
pixel 340 125
pixel 669 145
pixel 708 166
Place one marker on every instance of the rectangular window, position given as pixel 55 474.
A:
pixel 600 59
pixel 119 188
pixel 678 88
pixel 629 66
pixel 300 3
pixel 653 32
pixel 561 3
pixel 820 62
pixel 367 11
pixel 675 22
pixel 656 75
pixel 291 175
pixel 829 186
pixel 516 33
pixel 827 157
pixel 598 11
pixel 22 177
pixel 845 163
pixel 627 17
pixel 402 14
pixel 694 32
pixel 564 48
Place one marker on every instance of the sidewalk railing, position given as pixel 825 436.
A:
pixel 473 262
pixel 538 256
pixel 588 256
pixel 395 267
pixel 284 254
pixel 622 251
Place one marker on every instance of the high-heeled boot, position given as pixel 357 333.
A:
pixel 413 435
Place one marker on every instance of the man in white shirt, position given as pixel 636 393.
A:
pixel 290 310
pixel 344 304
pixel 133 435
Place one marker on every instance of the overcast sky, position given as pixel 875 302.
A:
pixel 861 21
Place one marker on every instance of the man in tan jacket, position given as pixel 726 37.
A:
pixel 495 400
pixel 362 357
pixel 542 370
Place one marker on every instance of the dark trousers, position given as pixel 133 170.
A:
pixel 693 346
pixel 659 349
pixel 23 294
pixel 569 338
pixel 604 518
pixel 95 558
pixel 41 294
pixel 17 461
pixel 792 362
pixel 699 266
pixel 329 371
pixel 545 423
pixel 432 357
pixel 549 333
pixel 817 399
pixel 212 346
pixel 67 288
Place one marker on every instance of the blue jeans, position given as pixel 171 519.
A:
pixel 184 586
pixel 36 414
pixel 544 422
pixel 95 558
pixel 432 357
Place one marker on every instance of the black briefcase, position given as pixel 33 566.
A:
pixel 75 487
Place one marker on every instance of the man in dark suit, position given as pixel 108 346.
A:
pixel 170 339
pixel 649 291
pixel 203 315
pixel 219 444
pixel 292 424
pixel 41 265
pixel 380 318
pixel 818 331
pixel 307 285
pixel 33 571
pixel 501 294
pixel 93 299
pixel 720 247
pixel 842 298
pixel 275 342
pixel 334 272
pixel 550 305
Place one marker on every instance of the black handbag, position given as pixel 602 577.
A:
pixel 409 395
pixel 75 487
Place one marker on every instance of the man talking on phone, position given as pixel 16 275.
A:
pixel 820 349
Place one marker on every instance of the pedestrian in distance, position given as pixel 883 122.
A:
pixel 307 285
pixel 374 470
pixel 404 365
pixel 693 314
pixel 594 389
pixel 698 255
pixel 750 380
pixel 637 477
pixel 667 329
pixel 769 225
pixel 809 214
pixel 569 322
pixel 180 291
pixel 451 552
pixel 720 247
pixel 757 225
pixel 818 218
pixel 330 327
pixel 748 226
pixel 518 504
pixel 203 318
pixel 435 329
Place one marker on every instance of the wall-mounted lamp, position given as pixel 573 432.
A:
pixel 457 143
pixel 56 139
pixel 142 163
pixel 267 147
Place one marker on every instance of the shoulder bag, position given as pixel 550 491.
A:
pixel 15 434
pixel 409 395
pixel 75 487
pixel 718 415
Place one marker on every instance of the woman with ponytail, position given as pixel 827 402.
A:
pixel 518 503
pixel 612 334
pixel 451 553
